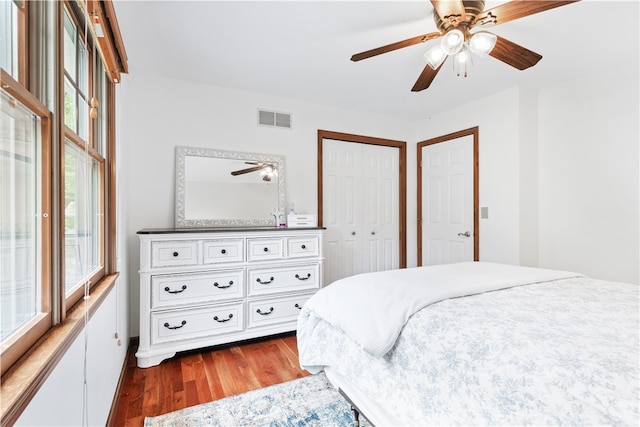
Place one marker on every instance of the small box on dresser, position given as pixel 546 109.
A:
pixel 299 220
pixel 200 288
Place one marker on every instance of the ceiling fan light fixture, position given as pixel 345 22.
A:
pixel 459 25
pixel 452 42
pixel 268 172
pixel 482 43
pixel 435 57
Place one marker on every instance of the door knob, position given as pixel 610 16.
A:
pixel 353 233
pixel 465 234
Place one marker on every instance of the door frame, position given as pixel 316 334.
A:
pixel 476 209
pixel 402 180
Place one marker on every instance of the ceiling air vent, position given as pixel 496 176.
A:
pixel 274 119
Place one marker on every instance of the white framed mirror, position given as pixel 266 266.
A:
pixel 216 188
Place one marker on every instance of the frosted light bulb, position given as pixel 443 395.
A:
pixel 452 42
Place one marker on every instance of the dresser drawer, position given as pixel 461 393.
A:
pixel 196 323
pixel 275 310
pixel 265 249
pixel 304 246
pixel 263 281
pixel 175 289
pixel 223 250
pixel 174 253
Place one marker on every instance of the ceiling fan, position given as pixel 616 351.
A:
pixel 460 24
pixel 268 170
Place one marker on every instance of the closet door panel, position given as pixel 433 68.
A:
pixel 342 209
pixel 381 230
pixel 360 208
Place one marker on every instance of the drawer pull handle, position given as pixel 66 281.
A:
pixel 184 288
pixel 304 246
pixel 166 325
pixel 266 249
pixel 265 283
pixel 303 278
pixel 224 251
pixel 176 254
pixel 217 319
pixel 298 306
pixel 219 286
pixel 265 313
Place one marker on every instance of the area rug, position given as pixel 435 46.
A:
pixel 308 401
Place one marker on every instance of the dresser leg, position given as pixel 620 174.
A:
pixel 146 361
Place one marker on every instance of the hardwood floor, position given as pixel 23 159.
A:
pixel 195 377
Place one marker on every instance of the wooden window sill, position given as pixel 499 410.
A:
pixel 22 381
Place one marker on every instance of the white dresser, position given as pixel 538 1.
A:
pixel 206 287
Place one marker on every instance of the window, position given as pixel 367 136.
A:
pixel 57 145
pixel 20 216
pixel 83 175
pixel 76 83
pixel 25 279
pixel 9 37
pixel 49 257
pixel 82 216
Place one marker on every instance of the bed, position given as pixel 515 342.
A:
pixel 478 344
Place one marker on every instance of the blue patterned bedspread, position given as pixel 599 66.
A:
pixel 564 352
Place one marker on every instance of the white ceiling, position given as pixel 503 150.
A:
pixel 301 49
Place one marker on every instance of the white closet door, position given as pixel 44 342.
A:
pixel 360 208
pixel 447 201
pixel 380 222
pixel 341 208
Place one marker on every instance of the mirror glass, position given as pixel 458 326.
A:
pixel 216 188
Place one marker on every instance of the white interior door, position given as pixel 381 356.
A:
pixel 360 208
pixel 380 217
pixel 447 201
pixel 341 177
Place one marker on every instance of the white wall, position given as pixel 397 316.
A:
pixel 589 181
pixel 559 174
pixel 529 165
pixel 499 173
pixel 159 114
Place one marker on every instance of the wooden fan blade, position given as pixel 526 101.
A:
pixel 242 171
pixel 450 8
pixel 426 77
pixel 394 46
pixel 513 54
pixel 515 10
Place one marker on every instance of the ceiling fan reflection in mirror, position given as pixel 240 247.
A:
pixel 267 170
pixel 460 26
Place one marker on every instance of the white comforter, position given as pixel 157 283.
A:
pixel 562 352
pixel 373 308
